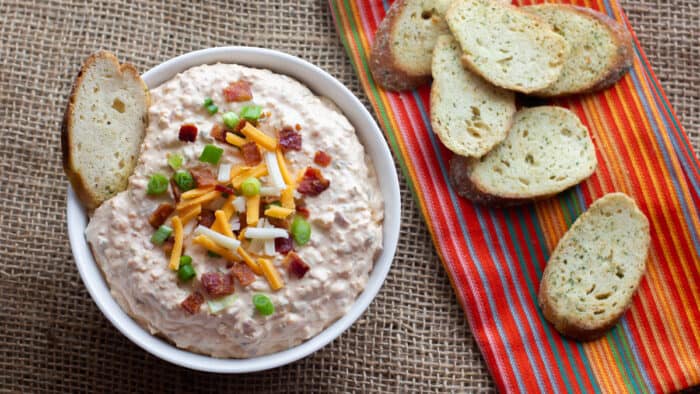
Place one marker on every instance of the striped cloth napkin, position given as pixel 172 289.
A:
pixel 495 257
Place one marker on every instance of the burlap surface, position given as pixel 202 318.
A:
pixel 53 338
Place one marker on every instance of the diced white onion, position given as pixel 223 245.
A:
pixel 239 204
pixel 269 248
pixel 235 223
pixel 227 242
pixel 273 170
pixel 256 245
pixel 265 233
pixel 224 173
pixel 271 191
pixel 219 304
pixel 262 223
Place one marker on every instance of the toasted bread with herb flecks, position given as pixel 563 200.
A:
pixel 600 48
pixel 468 114
pixel 547 150
pixel 403 44
pixel 509 47
pixel 103 127
pixel 595 269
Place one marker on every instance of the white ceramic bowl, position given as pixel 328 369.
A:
pixel 322 84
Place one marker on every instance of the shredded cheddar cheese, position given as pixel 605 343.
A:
pixel 235 140
pixel 252 210
pixel 222 224
pixel 177 247
pixel 270 272
pixel 190 194
pixel 251 172
pixel 237 170
pixel 211 246
pixel 190 214
pixel 203 199
pixel 287 198
pixel 255 267
pixel 258 136
pixel 278 212
pixel 283 168
pixel 228 207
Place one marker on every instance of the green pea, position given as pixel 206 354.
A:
pixel 184 180
pixel 263 304
pixel 301 230
pixel 250 187
pixel 158 184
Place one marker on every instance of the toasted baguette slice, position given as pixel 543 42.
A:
pixel 547 150
pixel 510 48
pixel 596 268
pixel 103 127
pixel 468 114
pixel 403 45
pixel 600 48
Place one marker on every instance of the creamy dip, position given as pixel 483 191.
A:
pixel 346 221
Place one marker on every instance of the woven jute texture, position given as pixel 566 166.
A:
pixel 412 338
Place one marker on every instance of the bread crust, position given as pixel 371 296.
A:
pixel 382 62
pixel 624 56
pixel 459 173
pixel 80 186
pixel 579 329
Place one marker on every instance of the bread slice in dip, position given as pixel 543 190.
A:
pixel 547 150
pixel 103 127
pixel 595 269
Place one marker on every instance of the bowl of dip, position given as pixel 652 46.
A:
pixel 165 331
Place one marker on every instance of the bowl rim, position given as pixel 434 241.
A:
pixel 320 82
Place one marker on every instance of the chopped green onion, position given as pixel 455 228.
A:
pixel 211 154
pixel 231 120
pixel 251 113
pixel 184 180
pixel 186 271
pixel 250 187
pixel 175 161
pixel 212 254
pixel 212 109
pixel 301 230
pixel 207 102
pixel 263 304
pixel 219 304
pixel 185 259
pixel 161 235
pixel 158 184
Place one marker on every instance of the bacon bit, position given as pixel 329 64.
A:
pixel 203 176
pixel 192 303
pixel 279 223
pixel 160 214
pixel 218 133
pixel 243 220
pixel 243 273
pixel 206 218
pixel 175 190
pixel 168 245
pixel 284 245
pixel 303 211
pixel 188 132
pixel 240 127
pixel 297 127
pixel 251 154
pixel 313 183
pixel 224 189
pixel 289 139
pixel 217 284
pixel 238 91
pixel 295 265
pixel 322 158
